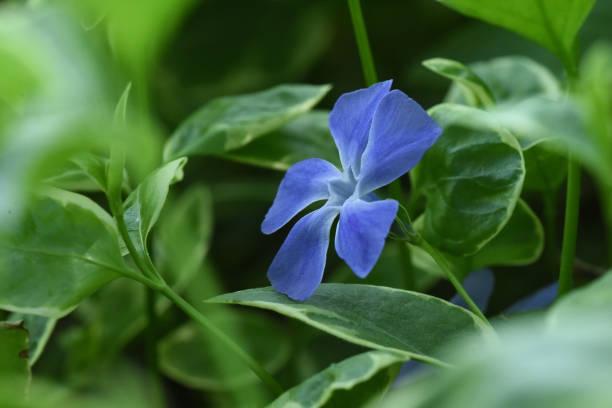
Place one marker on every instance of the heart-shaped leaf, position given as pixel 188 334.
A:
pixel 472 178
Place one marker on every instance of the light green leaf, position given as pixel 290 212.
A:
pixel 190 356
pixel 551 23
pixel 144 204
pixel 116 314
pixel 412 324
pixel 473 88
pixel 84 172
pixel 529 367
pixel 14 367
pixel 121 108
pixel 231 122
pixel 343 382
pixel 183 236
pixel 39 330
pixel 511 79
pixel 62 250
pixel 472 178
pixel 306 137
pixel 593 299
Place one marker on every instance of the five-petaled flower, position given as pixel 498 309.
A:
pixel 380 135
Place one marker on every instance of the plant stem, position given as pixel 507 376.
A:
pixel 155 282
pixel 572 205
pixel 367 62
pixel 396 192
pixel 570 228
pixel 192 312
pixel 151 331
pixel 443 264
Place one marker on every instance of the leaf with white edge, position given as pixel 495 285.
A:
pixel 595 299
pixel 63 249
pixel 343 382
pixel 473 88
pixel 231 122
pixel 472 178
pixel 143 206
pixel 413 324
pixel 189 355
pixel 39 330
pixel 14 367
pixel 306 137
pixel 511 79
pixel 553 24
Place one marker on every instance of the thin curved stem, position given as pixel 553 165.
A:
pixel 192 312
pixel 443 264
pixel 361 35
pixel 154 281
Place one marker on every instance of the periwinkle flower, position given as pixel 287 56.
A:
pixel 380 135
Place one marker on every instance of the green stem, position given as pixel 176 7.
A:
pixel 572 202
pixel 605 194
pixel 192 312
pixel 151 331
pixel 443 264
pixel 367 62
pixel 570 228
pixel 156 282
pixel 396 192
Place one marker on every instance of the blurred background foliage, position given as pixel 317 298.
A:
pixel 178 58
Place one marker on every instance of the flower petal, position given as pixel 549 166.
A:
pixel 298 267
pixel 304 183
pixel 350 119
pixel 361 232
pixel 400 134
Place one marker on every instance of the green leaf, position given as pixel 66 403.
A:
pixel 545 168
pixel 14 367
pixel 116 314
pixel 183 236
pixel 344 381
pixel 472 178
pixel 62 250
pixel 190 356
pixel 588 301
pixel 144 204
pixel 511 79
pixel 231 122
pixel 121 108
pixel 84 172
pixel 39 330
pixel 306 137
pixel 529 367
pixel 520 242
pixel 474 90
pixel 553 24
pixel 413 324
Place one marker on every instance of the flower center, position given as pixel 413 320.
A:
pixel 342 188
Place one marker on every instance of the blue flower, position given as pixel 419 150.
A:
pixel 380 135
